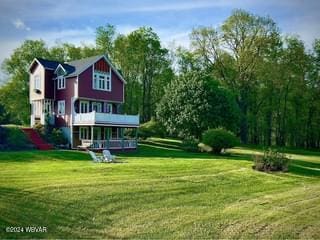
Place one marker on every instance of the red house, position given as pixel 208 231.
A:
pixel 83 98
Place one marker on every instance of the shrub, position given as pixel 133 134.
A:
pixel 16 139
pixel 219 139
pixel 3 135
pixel 190 145
pixel 40 129
pixel 57 137
pixel 271 160
pixel 151 129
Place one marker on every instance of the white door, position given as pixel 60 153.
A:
pixel 84 106
pixel 96 106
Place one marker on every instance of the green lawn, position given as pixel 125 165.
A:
pixel 158 192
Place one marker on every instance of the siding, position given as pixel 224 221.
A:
pixel 49 84
pixel 86 91
pixel 36 70
pixel 65 94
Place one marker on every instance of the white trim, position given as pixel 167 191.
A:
pixel 96 60
pixel 61 79
pixel 58 68
pixel 36 60
pixel 99 100
pixel 101 81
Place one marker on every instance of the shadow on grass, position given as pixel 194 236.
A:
pixel 37 155
pixel 303 168
pixel 155 151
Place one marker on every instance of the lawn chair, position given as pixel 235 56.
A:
pixel 107 156
pixel 95 158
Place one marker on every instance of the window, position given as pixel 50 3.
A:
pixel 37 82
pixel 102 81
pixel 109 108
pixel 84 133
pixel 47 106
pixel 84 106
pixel 96 106
pixel 61 82
pixel 61 107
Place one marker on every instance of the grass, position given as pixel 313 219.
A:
pixel 157 192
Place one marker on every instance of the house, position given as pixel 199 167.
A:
pixel 84 99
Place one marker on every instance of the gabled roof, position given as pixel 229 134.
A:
pixel 66 68
pixel 48 64
pixel 74 68
pixel 82 64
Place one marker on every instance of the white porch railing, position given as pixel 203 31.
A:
pixel 92 118
pixel 109 144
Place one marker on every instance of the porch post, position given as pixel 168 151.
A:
pixel 136 143
pixel 91 135
pixel 122 138
pixel 108 137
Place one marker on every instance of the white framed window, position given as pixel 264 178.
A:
pixel 97 106
pixel 61 107
pixel 61 82
pixel 84 133
pixel 109 108
pixel 37 83
pixel 101 81
pixel 84 106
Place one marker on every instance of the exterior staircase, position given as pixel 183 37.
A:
pixel 35 138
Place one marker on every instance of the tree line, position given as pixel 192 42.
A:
pixel 244 76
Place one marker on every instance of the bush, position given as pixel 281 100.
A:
pixel 40 129
pixel 271 160
pixel 190 145
pixel 219 139
pixel 3 135
pixel 151 129
pixel 57 137
pixel 16 139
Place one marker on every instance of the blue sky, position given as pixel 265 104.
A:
pixel 75 21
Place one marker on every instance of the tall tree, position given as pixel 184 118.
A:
pixel 244 38
pixel 146 67
pixel 105 36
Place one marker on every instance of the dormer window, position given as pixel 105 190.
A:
pixel 61 82
pixel 101 81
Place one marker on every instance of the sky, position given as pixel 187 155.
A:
pixel 75 21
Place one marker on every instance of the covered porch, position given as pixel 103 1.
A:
pixel 104 137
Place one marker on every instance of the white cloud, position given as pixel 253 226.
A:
pixel 75 36
pixel 19 24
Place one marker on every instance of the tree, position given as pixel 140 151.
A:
pixel 242 40
pixel 194 102
pixel 145 65
pixel 15 92
pixel 105 36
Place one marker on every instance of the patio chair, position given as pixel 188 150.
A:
pixel 96 158
pixel 107 156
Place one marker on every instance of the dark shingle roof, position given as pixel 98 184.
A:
pixel 48 63
pixel 74 68
pixel 68 68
